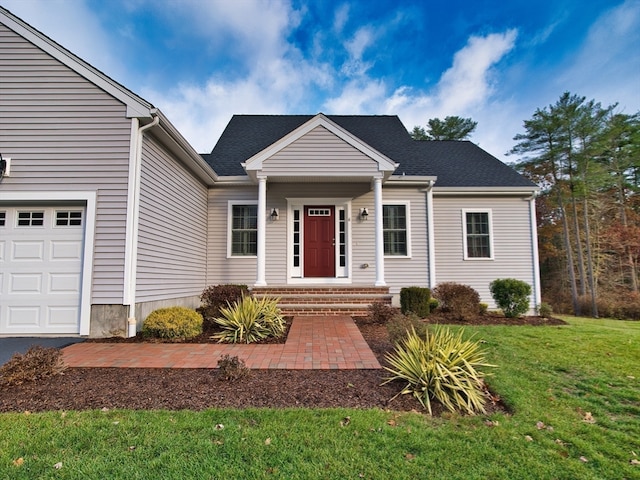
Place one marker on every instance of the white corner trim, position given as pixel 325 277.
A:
pixel 537 293
pixel 431 239
pixel 89 198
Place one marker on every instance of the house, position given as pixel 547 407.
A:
pixel 107 212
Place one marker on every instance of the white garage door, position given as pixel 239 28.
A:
pixel 40 269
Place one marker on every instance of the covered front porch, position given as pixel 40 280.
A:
pixel 317 209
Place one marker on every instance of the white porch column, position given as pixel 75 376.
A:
pixel 377 205
pixel 262 234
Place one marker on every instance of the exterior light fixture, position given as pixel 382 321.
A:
pixel 274 215
pixel 3 166
pixel 364 214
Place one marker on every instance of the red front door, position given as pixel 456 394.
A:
pixel 319 242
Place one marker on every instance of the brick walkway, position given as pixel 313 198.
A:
pixel 313 343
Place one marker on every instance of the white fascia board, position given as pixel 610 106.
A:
pixel 487 191
pixel 136 106
pixel 234 181
pixel 385 164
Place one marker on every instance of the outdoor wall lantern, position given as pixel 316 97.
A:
pixel 274 215
pixel 364 214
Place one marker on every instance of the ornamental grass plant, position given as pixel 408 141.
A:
pixel 250 320
pixel 440 365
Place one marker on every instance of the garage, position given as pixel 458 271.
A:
pixel 41 264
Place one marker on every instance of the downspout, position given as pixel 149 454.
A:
pixel 537 291
pixel 431 236
pixel 133 217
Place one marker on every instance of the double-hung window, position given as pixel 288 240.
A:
pixel 478 241
pixel 395 230
pixel 244 230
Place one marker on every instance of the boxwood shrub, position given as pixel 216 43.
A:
pixel 173 323
pixel 415 300
pixel 511 295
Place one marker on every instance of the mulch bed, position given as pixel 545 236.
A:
pixel 198 389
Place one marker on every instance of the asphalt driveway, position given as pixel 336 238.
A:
pixel 9 346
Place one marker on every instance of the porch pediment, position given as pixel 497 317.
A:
pixel 319 150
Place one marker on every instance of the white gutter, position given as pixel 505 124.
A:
pixel 489 191
pixel 133 217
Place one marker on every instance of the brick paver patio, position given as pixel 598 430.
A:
pixel 313 343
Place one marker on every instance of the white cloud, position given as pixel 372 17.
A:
pixel 340 18
pixel 607 66
pixel 253 29
pixel 357 98
pixel 468 82
pixel 464 89
pixel 355 66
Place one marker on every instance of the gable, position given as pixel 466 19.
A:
pixel 303 151
pixel 136 106
pixel 319 153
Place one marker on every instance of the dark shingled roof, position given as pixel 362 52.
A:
pixel 455 163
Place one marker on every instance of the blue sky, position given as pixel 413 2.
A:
pixel 201 61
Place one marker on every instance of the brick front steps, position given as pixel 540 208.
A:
pixel 325 300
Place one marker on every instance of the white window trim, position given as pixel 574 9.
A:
pixel 230 205
pixel 294 273
pixel 407 210
pixel 89 199
pixel 464 234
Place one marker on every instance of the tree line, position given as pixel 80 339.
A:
pixel 586 159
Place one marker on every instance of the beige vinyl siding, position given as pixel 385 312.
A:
pixel 220 269
pixel 64 133
pixel 511 242
pixel 400 272
pixel 319 152
pixel 172 237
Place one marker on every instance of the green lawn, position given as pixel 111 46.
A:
pixel 553 375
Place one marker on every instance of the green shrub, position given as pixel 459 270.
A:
pixel 433 304
pixel 232 368
pixel 217 296
pixel 380 313
pixel 545 310
pixel 250 320
pixel 443 366
pixel 173 323
pixel 36 363
pixel 401 325
pixel 416 300
pixel 484 308
pixel 511 295
pixel 460 301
